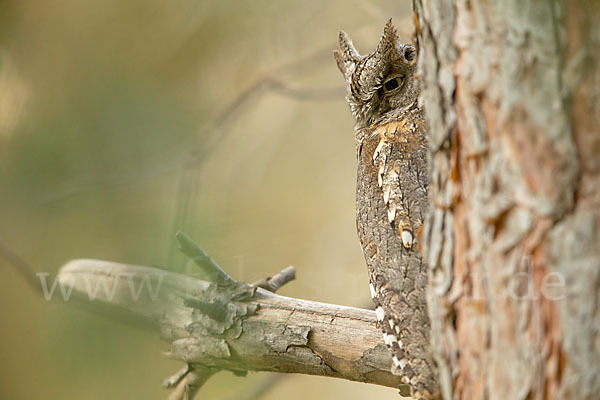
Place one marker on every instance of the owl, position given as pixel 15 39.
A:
pixel 391 197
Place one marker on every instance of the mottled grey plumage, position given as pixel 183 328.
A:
pixel 391 197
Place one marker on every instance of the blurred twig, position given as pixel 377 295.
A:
pixel 214 132
pixel 187 382
pixel 334 92
pixel 20 265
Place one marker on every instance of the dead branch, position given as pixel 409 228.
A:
pixel 255 330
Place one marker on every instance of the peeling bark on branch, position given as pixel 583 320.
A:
pixel 282 335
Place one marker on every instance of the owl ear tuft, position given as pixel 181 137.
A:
pixel 347 56
pixel 388 40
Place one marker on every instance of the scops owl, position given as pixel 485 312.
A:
pixel 391 197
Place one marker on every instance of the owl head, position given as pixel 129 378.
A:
pixel 380 83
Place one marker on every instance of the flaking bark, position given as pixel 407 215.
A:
pixel 511 92
pixel 276 333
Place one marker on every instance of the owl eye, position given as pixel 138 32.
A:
pixel 393 84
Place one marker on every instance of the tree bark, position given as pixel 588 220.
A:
pixel 512 91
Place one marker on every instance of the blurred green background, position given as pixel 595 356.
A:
pixel 101 104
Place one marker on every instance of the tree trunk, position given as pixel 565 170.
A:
pixel 512 95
